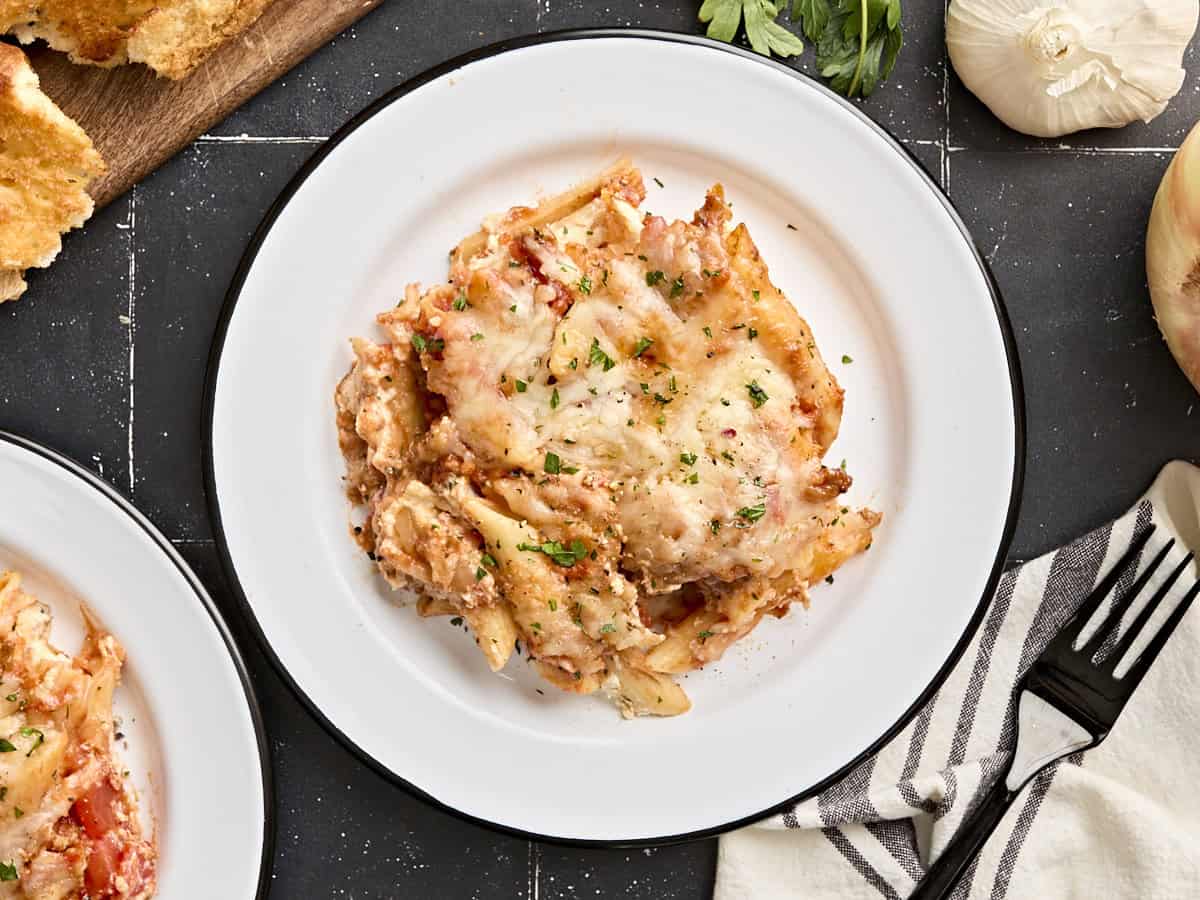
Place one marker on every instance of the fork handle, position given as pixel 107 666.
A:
pixel 939 882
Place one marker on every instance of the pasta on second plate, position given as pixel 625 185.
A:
pixel 602 437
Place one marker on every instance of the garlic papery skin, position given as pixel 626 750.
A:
pixel 1053 67
pixel 1173 257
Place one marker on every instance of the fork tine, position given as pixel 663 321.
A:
pixel 1131 633
pixel 1089 606
pixel 1141 665
pixel 1121 605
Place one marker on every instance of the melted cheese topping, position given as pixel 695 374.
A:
pixel 633 384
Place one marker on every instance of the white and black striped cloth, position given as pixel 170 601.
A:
pixel 1120 821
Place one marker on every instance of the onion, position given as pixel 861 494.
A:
pixel 1173 256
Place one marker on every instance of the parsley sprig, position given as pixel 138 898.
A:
pixel 857 41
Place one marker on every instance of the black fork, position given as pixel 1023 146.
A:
pixel 1070 698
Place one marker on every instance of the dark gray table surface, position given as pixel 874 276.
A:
pixel 104 359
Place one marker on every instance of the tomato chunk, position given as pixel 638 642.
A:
pixel 104 859
pixel 96 811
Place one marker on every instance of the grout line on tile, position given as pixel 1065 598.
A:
pixel 131 325
pixel 535 871
pixel 1068 150
pixel 260 139
pixel 945 109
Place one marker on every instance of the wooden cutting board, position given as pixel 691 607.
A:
pixel 138 120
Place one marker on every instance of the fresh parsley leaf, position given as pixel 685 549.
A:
pixel 480 573
pixel 585 285
pixel 608 628
pixel 597 357
pixel 847 359
pixel 676 287
pixel 521 386
pixel 477 336
pixel 857 52
pixel 653 278
pixel 642 346
pixel 553 464
pixel 694 478
pixel 757 395
pixel 766 35
pixel 8 871
pixel 488 560
pixel 854 51
pixel 688 459
pixel 554 399
pixel 418 341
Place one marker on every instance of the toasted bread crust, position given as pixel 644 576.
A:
pixel 170 36
pixel 46 164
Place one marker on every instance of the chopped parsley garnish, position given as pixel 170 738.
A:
pixel 18 812
pixel 513 308
pixel 726 455
pixel 554 399
pixel 11 698
pixel 585 285
pixel 488 560
pixel 608 628
pixel 694 478
pixel 552 603
pixel 570 470
pixel 597 357
pixel 688 459
pixel 520 386
pixel 739 326
pixel 708 274
pixel 707 332
pixel 757 395
pixel 604 278
pixel 752 513
pixel 477 336
pixel 33 732
pixel 574 363
pixel 714 526
pixel 724 402
pixel 536 626
pixel 642 346
pixel 513 264
pixel 653 278
pixel 676 287
pixel 756 295
pixel 460 302
pixel 418 341
pixel 645 388
pixel 8 871
pixel 553 464
pixel 629 422
pixel 659 398
pixel 704 635
pixel 752 333
pixel 480 574
pixel 564 556
pixel 661 420
pixel 671 385
pixel 6 746
pixel 846 360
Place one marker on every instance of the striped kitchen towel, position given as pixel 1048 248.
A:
pixel 1119 821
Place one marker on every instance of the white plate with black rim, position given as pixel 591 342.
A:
pixel 876 260
pixel 190 729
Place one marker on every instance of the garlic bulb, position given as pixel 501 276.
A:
pixel 1051 67
pixel 1173 256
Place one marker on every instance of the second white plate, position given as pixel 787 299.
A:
pixel 876 261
